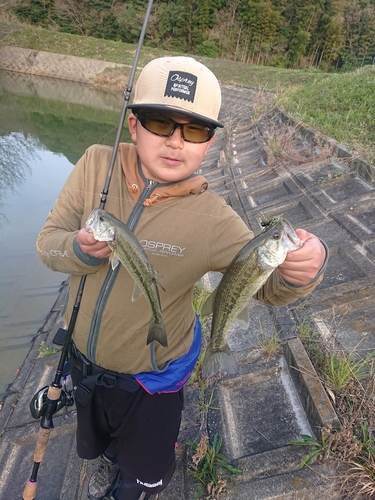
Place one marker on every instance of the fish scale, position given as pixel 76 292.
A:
pixel 127 249
pixel 245 275
pixel 228 308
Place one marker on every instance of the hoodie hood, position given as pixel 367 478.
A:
pixel 194 184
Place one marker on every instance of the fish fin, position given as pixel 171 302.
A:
pixel 242 319
pixel 159 284
pixel 137 292
pixel 156 273
pixel 219 361
pixel 157 332
pixel 208 305
pixel 114 261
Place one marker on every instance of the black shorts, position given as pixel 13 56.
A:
pixel 142 430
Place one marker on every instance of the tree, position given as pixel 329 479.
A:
pixel 227 29
pixel 88 18
pixel 297 47
pixel 35 11
pixel 73 13
pixel 262 22
pixel 171 25
pixel 285 33
pixel 359 26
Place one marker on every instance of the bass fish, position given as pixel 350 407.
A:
pixel 244 276
pixel 127 249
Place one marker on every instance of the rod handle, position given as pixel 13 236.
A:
pixel 29 492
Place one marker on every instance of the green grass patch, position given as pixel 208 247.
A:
pixel 44 350
pixel 210 467
pixel 340 105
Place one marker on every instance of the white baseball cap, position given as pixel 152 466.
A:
pixel 179 84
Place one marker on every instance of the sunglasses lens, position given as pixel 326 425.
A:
pixel 158 124
pixel 193 132
pixel 161 125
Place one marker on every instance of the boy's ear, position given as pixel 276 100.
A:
pixel 132 124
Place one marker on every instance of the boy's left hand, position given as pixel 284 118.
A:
pixel 302 265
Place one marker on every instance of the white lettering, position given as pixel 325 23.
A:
pixel 178 86
pixel 180 91
pixel 177 78
pixel 160 247
pixel 55 253
pixel 150 485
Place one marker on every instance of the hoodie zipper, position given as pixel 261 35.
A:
pixel 110 279
pixel 139 207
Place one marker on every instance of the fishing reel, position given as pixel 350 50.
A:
pixel 39 400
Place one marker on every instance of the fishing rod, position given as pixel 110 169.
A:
pixel 52 398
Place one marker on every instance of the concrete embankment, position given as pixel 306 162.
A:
pixel 61 66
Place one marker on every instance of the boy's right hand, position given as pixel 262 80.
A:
pixel 91 246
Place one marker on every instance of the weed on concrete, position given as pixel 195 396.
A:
pixel 210 467
pixel 349 381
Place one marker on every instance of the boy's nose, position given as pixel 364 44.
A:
pixel 176 137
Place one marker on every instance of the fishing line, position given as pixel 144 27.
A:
pixel 54 393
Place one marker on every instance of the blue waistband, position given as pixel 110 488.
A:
pixel 177 373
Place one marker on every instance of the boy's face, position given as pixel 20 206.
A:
pixel 167 159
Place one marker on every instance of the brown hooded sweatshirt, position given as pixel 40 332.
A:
pixel 186 231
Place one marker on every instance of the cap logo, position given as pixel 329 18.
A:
pixel 182 85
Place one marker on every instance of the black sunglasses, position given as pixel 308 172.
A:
pixel 163 126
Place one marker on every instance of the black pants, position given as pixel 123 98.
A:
pixel 140 428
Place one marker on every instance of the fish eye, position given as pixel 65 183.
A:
pixel 101 218
pixel 276 236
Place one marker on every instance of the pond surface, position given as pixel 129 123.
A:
pixel 45 126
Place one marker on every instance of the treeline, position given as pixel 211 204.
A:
pixel 325 34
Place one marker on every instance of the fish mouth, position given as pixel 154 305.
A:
pixel 291 239
pixel 91 221
pixel 94 225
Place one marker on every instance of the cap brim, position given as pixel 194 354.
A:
pixel 158 107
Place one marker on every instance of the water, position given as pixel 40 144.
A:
pixel 45 126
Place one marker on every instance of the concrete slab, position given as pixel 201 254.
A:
pixel 303 484
pixel 60 469
pixel 259 409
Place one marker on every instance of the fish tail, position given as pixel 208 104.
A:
pixel 219 361
pixel 157 332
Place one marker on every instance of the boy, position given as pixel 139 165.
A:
pixel 129 396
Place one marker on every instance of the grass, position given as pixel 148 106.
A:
pixel 339 105
pixel 269 344
pixel 44 350
pixel 360 479
pixel 340 370
pixel 317 448
pixel 210 467
pixel 350 383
